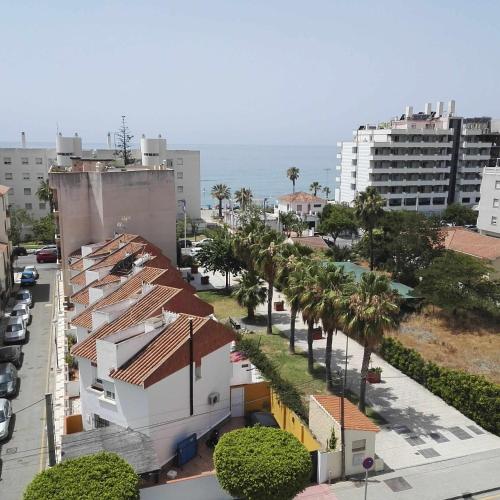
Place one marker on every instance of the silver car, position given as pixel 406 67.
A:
pixel 15 331
pixel 5 416
pixel 8 380
pixel 24 297
pixel 21 311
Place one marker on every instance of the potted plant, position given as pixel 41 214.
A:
pixel 194 267
pixel 279 305
pixel 374 375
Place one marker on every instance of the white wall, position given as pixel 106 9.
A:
pixel 489 205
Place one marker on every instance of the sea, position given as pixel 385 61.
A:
pixel 260 168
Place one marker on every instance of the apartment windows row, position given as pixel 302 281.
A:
pixel 9 176
pixel 409 177
pixel 412 151
pixel 7 160
pixel 411 189
pixel 468 199
pixel 412 202
pixel 420 138
pixel 29 206
pixel 408 164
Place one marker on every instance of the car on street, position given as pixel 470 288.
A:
pixel 46 247
pixel 12 354
pixel 21 311
pixel 202 242
pixel 24 297
pixel 48 255
pixel 8 380
pixel 32 269
pixel 28 278
pixel 15 331
pixel 19 251
pixel 5 416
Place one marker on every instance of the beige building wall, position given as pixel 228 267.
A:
pixel 94 206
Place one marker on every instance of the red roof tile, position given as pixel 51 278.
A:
pixel 301 197
pixel 465 241
pixel 77 265
pixel 112 245
pixel 314 242
pixel 79 279
pixel 118 255
pixel 353 418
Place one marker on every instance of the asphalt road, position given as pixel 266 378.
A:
pixel 22 455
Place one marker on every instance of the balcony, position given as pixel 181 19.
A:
pixel 480 145
pixel 469 157
pixel 412 157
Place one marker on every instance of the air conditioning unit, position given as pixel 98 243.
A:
pixel 213 398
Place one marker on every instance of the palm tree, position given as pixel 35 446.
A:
pixel 327 192
pixel 315 187
pixel 220 192
pixel 44 193
pixel 293 174
pixel 368 209
pixel 371 311
pixel 250 293
pixel 244 197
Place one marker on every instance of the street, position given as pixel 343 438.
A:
pixel 24 454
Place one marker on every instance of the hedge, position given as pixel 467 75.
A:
pixel 262 463
pixel 472 395
pixel 103 475
pixel 286 391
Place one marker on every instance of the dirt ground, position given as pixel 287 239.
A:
pixel 466 346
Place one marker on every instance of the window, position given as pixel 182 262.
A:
pixel 39 176
pixel 180 175
pixel 494 220
pixel 27 191
pixel 11 192
pixel 26 176
pixel 97 384
pixel 197 372
pixel 465 200
pixel 317 205
pixel 39 161
pixel 8 161
pixel 496 203
pixel 170 163
pixel 41 206
pixel 8 176
pixel 438 201
pixel 180 189
pixel 357 459
pixel 180 161
pixel 478 199
pixel 24 161
pixel 358 445
pixel 497 183
pixel 100 422
pixel 28 206
pixel 109 395
pixel 299 208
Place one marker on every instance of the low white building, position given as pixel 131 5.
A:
pixel 305 205
pixel 488 221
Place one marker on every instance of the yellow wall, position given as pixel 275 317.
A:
pixel 289 421
pixel 257 397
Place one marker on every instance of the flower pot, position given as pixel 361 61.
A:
pixel 279 306
pixel 317 333
pixel 194 269
pixel 374 377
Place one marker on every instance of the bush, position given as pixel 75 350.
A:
pixel 104 475
pixel 472 395
pixel 262 463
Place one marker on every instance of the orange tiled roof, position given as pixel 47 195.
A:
pixel 118 255
pixel 354 419
pixel 112 245
pixel 462 240
pixel 76 253
pixel 314 242
pixel 77 265
pixel 82 296
pixel 78 279
pixel 109 278
pixel 301 197
pixel 168 352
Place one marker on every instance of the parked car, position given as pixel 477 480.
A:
pixel 47 255
pixel 263 418
pixel 185 243
pixel 21 311
pixel 8 380
pixel 46 247
pixel 5 416
pixel 12 354
pixel 32 269
pixel 28 278
pixel 24 297
pixel 15 331
pixel 202 242
pixel 18 251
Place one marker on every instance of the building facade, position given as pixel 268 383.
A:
pixel 6 276
pixel 420 161
pixel 305 205
pixel 488 221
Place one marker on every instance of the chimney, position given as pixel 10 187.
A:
pixel 451 107
pixel 76 134
pixel 439 108
pixel 109 140
pixel 23 139
pixel 428 108
pixel 159 136
pixel 409 111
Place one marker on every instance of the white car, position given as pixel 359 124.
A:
pixel 15 331
pixel 5 416
pixel 21 311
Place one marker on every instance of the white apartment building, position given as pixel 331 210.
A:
pixel 420 161
pixel 488 221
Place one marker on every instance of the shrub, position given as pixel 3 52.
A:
pixel 262 463
pixel 104 475
pixel 472 395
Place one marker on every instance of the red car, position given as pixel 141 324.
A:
pixel 48 255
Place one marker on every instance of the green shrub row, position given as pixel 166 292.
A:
pixel 472 395
pixel 286 391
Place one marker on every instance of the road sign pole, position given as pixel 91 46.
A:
pixel 366 482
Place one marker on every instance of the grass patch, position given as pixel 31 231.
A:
pixel 225 305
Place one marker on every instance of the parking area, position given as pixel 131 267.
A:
pixel 23 453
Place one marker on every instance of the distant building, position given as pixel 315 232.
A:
pixel 305 205
pixel 488 221
pixel 420 161
pixel 6 276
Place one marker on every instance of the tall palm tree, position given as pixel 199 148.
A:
pixel 315 187
pixel 327 192
pixel 44 193
pixel 244 197
pixel 368 209
pixel 371 311
pixel 221 192
pixel 293 174
pixel 250 293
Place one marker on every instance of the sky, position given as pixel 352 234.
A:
pixel 240 72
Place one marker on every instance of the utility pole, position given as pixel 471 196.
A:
pixel 342 411
pixel 191 361
pixel 49 415
pixel 265 213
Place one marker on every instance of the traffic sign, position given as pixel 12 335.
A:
pixel 368 463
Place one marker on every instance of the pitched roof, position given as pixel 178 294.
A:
pixel 77 265
pixel 314 242
pixel 118 255
pixel 353 418
pixel 301 197
pixel 465 241
pixel 78 279
pixel 76 253
pixel 112 245
pixel 168 352
pixel 4 190
pixel 82 296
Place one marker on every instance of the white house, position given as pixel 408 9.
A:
pixel 305 205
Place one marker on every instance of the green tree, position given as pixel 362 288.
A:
pixel 315 187
pixel 218 254
pixel 459 215
pixel 251 292
pixel 123 143
pixel 244 197
pixel 293 174
pixel 221 192
pixel 45 193
pixel 19 218
pixel 327 192
pixel 44 229
pixel 368 209
pixel 262 463
pixel 336 219
pixel 288 220
pixel 103 475
pixel 371 311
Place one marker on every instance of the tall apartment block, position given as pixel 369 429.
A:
pixel 420 161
